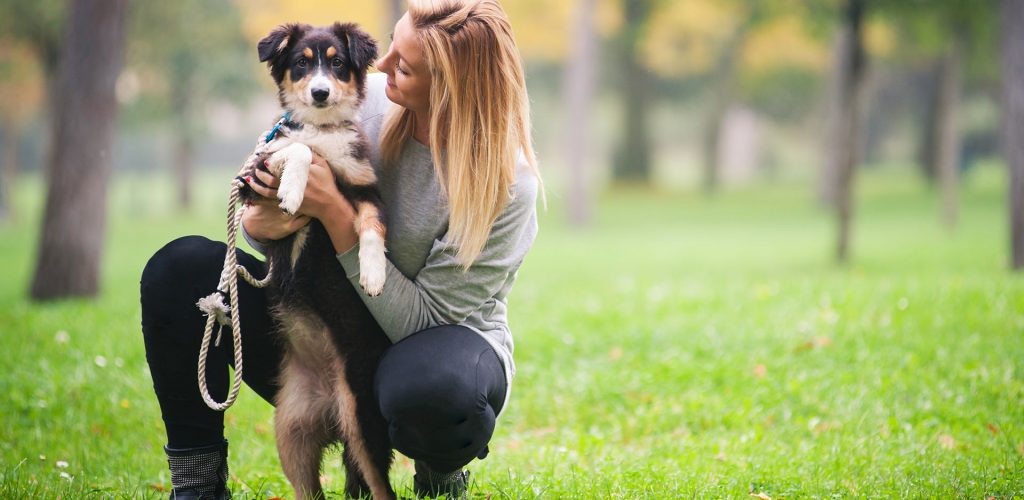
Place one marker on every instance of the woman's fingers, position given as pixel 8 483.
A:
pixel 264 184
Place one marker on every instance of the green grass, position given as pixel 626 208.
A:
pixel 679 347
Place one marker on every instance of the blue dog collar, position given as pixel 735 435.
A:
pixel 277 127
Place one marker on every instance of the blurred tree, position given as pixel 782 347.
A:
pixel 31 31
pixel 1011 14
pixel 21 93
pixel 632 162
pixel 950 33
pixel 723 82
pixel 84 111
pixel 579 81
pixel 38 23
pixel 198 53
pixel 261 16
pixel 850 75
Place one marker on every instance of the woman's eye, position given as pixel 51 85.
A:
pixel 336 62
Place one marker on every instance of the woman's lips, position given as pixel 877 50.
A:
pixel 391 83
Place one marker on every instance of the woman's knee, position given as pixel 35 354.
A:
pixel 184 257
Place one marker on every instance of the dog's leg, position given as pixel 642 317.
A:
pixel 302 431
pixel 376 439
pixel 355 485
pixel 291 164
pixel 364 453
pixel 372 262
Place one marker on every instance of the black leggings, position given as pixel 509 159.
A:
pixel 439 389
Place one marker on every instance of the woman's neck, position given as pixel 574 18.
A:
pixel 421 130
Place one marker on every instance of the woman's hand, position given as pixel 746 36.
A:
pixel 321 200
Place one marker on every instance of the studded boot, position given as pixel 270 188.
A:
pixel 430 483
pixel 199 473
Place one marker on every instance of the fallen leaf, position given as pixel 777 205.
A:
pixel 947 442
pixel 260 429
pixel 992 428
pixel 615 354
pixel 157 487
pixel 760 371
pixel 762 496
pixel 125 404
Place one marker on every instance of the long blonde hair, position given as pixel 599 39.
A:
pixel 479 114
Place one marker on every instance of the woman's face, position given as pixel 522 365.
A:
pixel 406 67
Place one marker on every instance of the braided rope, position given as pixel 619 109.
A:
pixel 214 305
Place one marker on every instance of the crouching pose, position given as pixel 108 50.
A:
pixel 448 128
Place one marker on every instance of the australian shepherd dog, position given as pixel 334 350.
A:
pixel 332 345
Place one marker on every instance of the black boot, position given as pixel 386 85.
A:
pixel 430 483
pixel 199 473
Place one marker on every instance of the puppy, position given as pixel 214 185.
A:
pixel 332 344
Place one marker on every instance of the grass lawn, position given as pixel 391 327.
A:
pixel 680 347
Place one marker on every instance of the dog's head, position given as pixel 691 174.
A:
pixel 320 72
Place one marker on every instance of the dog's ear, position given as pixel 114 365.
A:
pixel 274 44
pixel 362 49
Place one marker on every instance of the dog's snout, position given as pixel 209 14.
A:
pixel 321 95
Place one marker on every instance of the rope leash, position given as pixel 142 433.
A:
pixel 217 311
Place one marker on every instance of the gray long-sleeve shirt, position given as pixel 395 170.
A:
pixel 426 286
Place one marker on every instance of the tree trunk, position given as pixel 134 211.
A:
pixel 927 148
pixel 183 154
pixel 828 178
pixel 850 93
pixel 579 83
pixel 723 90
pixel 9 170
pixel 1012 42
pixel 74 224
pixel 633 163
pixel 947 154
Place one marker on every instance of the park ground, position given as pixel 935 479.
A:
pixel 680 346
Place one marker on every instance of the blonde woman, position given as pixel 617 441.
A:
pixel 448 118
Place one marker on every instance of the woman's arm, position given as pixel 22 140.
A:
pixel 442 293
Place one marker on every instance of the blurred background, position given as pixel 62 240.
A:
pixel 693 97
pixel 775 260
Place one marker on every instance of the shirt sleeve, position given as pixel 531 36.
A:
pixel 443 293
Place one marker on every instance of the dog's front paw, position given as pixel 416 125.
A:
pixel 291 199
pixel 372 270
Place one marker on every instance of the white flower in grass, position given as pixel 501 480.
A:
pixel 62 337
pixel 118 362
pixel 67 476
pixel 101 361
pixel 62 464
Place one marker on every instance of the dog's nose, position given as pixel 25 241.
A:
pixel 321 95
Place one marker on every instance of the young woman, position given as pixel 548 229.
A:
pixel 449 122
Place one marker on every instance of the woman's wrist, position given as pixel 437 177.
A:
pixel 337 220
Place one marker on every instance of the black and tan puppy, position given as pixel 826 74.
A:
pixel 332 343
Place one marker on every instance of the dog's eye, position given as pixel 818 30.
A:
pixel 301 63
pixel 336 62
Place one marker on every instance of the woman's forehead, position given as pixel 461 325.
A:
pixel 406 43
